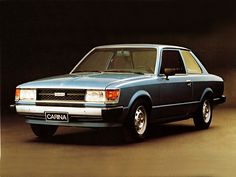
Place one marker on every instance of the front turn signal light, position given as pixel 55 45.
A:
pixel 112 95
pixel 17 95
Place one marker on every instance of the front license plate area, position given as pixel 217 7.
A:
pixel 56 117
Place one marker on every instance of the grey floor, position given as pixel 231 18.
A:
pixel 172 150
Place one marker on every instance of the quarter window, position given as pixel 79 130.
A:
pixel 172 59
pixel 190 62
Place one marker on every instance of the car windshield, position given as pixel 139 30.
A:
pixel 132 60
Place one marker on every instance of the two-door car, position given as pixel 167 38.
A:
pixel 128 86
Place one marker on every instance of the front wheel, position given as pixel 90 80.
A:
pixel 43 131
pixel 203 117
pixel 137 122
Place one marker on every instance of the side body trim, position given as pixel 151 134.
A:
pixel 176 104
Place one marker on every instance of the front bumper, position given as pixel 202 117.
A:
pixel 78 116
pixel 32 110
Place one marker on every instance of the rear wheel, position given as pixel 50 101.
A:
pixel 203 117
pixel 44 131
pixel 137 123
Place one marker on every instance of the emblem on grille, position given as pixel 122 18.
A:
pixel 59 94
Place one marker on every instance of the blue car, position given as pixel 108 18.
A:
pixel 128 86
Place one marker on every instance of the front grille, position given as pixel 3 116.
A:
pixel 61 94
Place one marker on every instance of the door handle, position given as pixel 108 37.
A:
pixel 189 83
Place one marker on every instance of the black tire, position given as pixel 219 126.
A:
pixel 136 125
pixel 203 116
pixel 44 131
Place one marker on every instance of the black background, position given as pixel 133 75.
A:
pixel 41 38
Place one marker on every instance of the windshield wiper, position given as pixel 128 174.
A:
pixel 124 71
pixel 137 72
pixel 92 71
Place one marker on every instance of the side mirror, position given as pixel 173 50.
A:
pixel 169 72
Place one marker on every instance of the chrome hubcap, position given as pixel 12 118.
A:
pixel 140 120
pixel 206 111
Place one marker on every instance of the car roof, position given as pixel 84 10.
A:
pixel 160 46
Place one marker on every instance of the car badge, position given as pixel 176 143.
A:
pixel 59 94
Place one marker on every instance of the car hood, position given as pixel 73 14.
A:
pixel 83 80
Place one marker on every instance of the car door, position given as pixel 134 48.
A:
pixel 176 90
pixel 195 74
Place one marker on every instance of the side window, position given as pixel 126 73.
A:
pixel 172 59
pixel 191 64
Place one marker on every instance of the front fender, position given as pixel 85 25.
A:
pixel 139 94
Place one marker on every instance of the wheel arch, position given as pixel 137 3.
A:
pixel 141 94
pixel 208 93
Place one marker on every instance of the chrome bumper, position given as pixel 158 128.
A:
pixel 78 116
pixel 32 109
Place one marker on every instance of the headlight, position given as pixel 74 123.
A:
pixel 95 96
pixel 25 94
pixel 106 96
